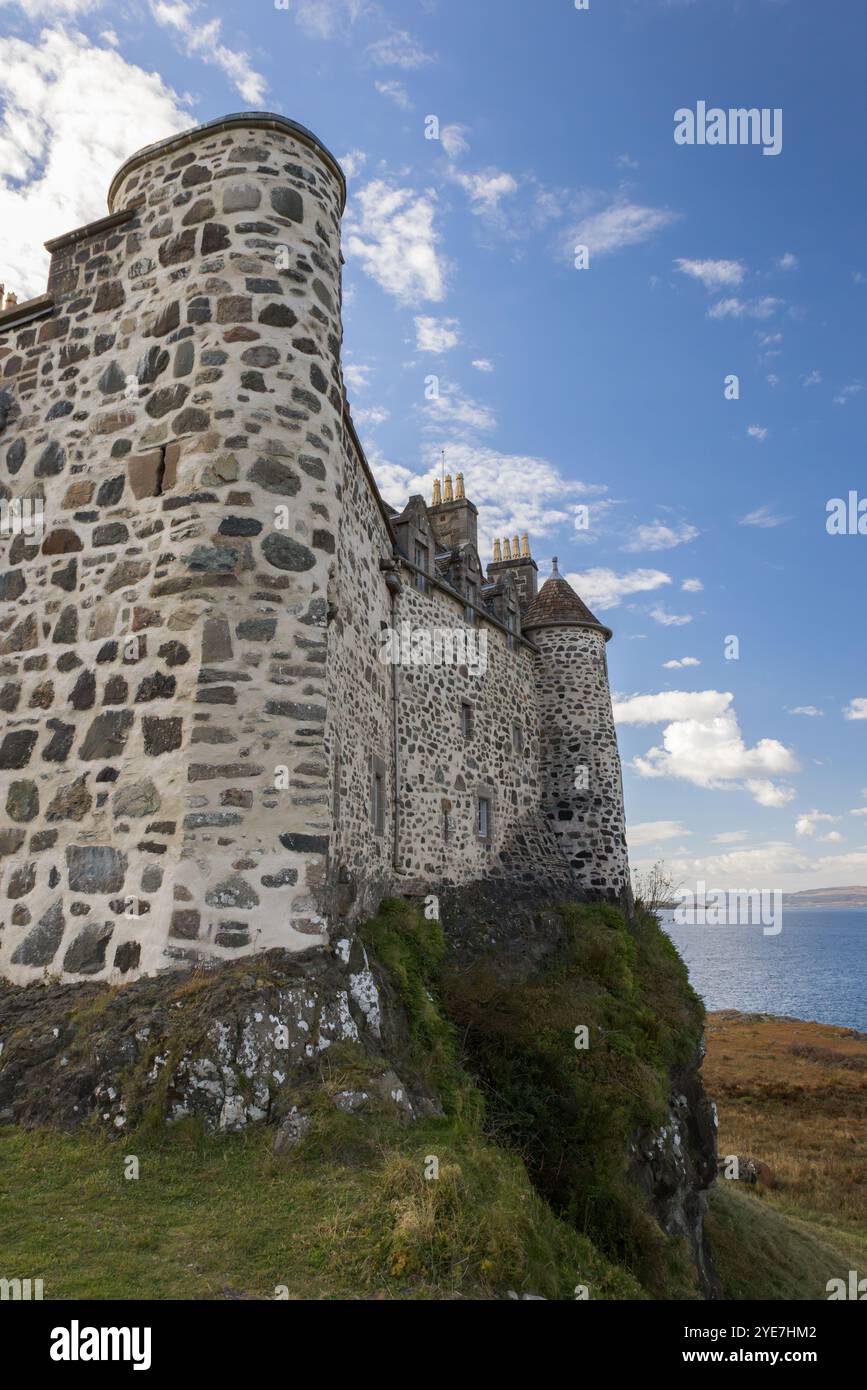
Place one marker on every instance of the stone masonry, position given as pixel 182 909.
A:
pixel 202 750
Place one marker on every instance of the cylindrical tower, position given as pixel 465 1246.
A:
pixel 580 765
pixel 162 762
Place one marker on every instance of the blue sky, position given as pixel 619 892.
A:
pixel 559 387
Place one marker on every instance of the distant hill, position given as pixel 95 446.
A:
pixel 853 896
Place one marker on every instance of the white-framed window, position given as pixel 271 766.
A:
pixel 466 719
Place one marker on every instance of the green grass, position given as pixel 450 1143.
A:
pixel 762 1253
pixel 220 1217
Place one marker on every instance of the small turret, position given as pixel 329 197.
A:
pixel 580 762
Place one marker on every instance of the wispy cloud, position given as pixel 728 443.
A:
pixel 396 92
pixel 436 335
pixel 605 588
pixel 620 225
pixel 764 517
pixel 734 308
pixel 201 38
pixel 400 50
pixel 657 536
pixel 856 709
pixel 391 232
pixel 714 275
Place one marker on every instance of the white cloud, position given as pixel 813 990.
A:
pixel 671 705
pixel 353 162
pixel 813 379
pixel 371 416
pixel 356 374
pixel 436 335
pixel 603 588
pixel 659 614
pixel 834 838
pixel 714 275
pixel 730 837
pixel 861 811
pixel 391 232
pixel 735 308
pixel 658 536
pixel 400 50
pixel 454 140
pixel 485 188
pixel 454 410
pixel 36 9
pixel 58 152
pixel 324 19
pixel 846 393
pixel 764 517
pixel 652 832
pixel 856 709
pixel 702 744
pixel 787 262
pixel 684 661
pixel 807 823
pixel 692 586
pixel 620 225
pixel 758 432
pixel 482 364
pixel 396 92
pixel 202 40
pixel 809 710
pixel 514 492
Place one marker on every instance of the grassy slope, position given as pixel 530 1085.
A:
pixel 213 1217
pixel 794 1096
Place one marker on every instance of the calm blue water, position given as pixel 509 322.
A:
pixel 815 969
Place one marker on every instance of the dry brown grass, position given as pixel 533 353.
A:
pixel 794 1096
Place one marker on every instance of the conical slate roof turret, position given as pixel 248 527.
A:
pixel 558 605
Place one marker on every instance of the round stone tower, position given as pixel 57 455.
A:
pixel 582 788
pixel 163 770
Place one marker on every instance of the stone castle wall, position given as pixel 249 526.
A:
pixel 162 649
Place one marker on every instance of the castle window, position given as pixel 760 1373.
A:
pixel 421 563
pixel 466 719
pixel 484 818
pixel 517 737
pixel 447 827
pixel 472 600
pixel 377 797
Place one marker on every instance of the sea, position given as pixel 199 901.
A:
pixel 815 968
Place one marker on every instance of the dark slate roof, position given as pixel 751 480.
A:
pixel 557 604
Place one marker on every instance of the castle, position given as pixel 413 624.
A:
pixel 202 751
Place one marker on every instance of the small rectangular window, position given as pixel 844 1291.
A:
pixel 421 562
pixel 447 827
pixel 517 737
pixel 484 818
pixel 378 806
pixel 466 720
